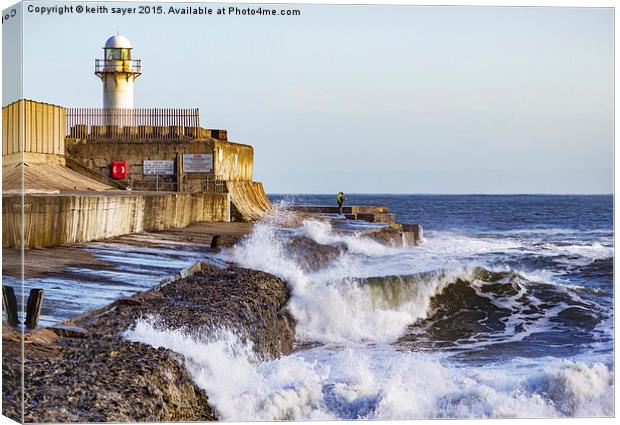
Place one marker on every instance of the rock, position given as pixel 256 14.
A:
pixel 105 378
pixel 311 255
pixel 127 301
pixel 249 301
pixel 389 236
pixel 111 380
pixel 69 331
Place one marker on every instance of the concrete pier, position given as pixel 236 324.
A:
pixel 379 214
pixel 349 209
pixel 369 213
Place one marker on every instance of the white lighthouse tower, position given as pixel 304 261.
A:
pixel 118 71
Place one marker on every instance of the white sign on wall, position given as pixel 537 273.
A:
pixel 158 167
pixel 197 162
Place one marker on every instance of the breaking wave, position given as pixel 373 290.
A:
pixel 378 383
pixel 358 299
pixel 449 329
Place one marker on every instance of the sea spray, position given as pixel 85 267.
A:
pixel 323 233
pixel 328 306
pixel 377 383
pixel 354 299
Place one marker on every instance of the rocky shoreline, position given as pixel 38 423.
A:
pixel 92 374
pixel 87 372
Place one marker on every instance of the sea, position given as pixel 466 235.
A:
pixel 505 310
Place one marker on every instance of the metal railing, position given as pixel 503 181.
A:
pixel 169 184
pixel 142 123
pixel 209 184
pixel 108 66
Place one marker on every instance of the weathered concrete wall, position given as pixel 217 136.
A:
pixel 248 199
pixel 233 161
pixel 36 130
pixel 98 155
pixel 52 220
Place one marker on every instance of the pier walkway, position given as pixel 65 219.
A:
pixel 369 213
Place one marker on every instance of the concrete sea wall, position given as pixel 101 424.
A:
pixel 52 220
pixel 249 200
pixel 233 161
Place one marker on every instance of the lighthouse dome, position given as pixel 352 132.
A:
pixel 118 42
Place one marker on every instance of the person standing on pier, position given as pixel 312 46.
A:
pixel 341 200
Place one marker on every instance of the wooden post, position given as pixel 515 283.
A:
pixel 215 243
pixel 33 307
pixel 179 172
pixel 9 301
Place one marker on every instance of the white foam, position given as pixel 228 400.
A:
pixel 591 252
pixel 322 232
pixel 331 305
pixel 378 383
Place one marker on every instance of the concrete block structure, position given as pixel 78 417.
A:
pixel 33 150
pixel 34 132
pixel 60 167
pixel 231 161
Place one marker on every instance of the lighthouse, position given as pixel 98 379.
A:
pixel 117 71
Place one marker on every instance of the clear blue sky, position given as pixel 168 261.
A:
pixel 375 99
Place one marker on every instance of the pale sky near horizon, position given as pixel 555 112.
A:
pixel 367 99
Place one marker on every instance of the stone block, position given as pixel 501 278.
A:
pixel 97 131
pixel 114 131
pixel 193 132
pixel 219 134
pixel 130 131
pixel 161 132
pixel 145 131
pixel 384 218
pixel 416 232
pixel 79 131
pixel 100 162
pixel 176 131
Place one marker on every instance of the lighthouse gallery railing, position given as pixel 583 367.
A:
pixel 142 123
pixel 132 66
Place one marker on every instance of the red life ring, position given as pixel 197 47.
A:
pixel 119 169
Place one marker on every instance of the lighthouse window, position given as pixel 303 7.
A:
pixel 117 54
pixel 113 54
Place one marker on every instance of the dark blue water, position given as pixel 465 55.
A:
pixel 484 212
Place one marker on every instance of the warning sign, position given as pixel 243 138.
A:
pixel 158 167
pixel 197 162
